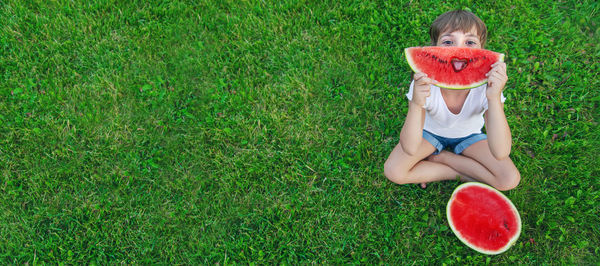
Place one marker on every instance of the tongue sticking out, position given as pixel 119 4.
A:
pixel 458 64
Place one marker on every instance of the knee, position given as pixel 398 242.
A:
pixel 395 173
pixel 509 180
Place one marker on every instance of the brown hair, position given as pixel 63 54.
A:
pixel 462 20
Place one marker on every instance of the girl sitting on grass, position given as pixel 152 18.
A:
pixel 439 119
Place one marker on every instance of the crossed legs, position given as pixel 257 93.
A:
pixel 475 163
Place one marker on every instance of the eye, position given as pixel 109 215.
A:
pixel 447 42
pixel 471 43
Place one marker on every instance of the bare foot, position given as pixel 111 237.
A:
pixel 438 158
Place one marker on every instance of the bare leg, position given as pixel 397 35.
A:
pixel 505 173
pixel 450 159
pixel 466 166
pixel 478 162
pixel 403 168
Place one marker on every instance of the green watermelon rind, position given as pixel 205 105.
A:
pixel 510 243
pixel 412 64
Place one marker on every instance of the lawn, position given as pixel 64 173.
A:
pixel 221 132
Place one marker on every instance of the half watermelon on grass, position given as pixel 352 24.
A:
pixel 483 218
pixel 453 67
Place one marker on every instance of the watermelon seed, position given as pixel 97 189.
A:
pixel 494 235
pixel 505 223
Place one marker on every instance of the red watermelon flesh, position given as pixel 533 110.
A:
pixel 483 218
pixel 453 67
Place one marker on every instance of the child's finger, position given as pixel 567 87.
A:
pixel 496 71
pixel 419 76
pixel 499 71
pixel 428 80
pixel 491 74
pixel 421 80
pixel 498 63
pixel 492 80
pixel 424 81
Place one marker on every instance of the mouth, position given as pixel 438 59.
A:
pixel 458 64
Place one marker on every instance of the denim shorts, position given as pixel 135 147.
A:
pixel 458 145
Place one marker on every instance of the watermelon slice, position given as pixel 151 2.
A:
pixel 483 218
pixel 453 67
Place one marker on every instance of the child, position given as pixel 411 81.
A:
pixel 440 118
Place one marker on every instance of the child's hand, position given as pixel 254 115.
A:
pixel 421 89
pixel 496 80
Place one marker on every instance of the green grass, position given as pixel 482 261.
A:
pixel 167 132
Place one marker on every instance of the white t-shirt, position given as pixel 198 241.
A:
pixel 440 121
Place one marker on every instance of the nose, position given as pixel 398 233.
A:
pixel 461 42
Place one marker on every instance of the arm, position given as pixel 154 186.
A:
pixel 412 130
pixel 499 136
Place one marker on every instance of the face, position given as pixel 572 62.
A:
pixel 460 39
